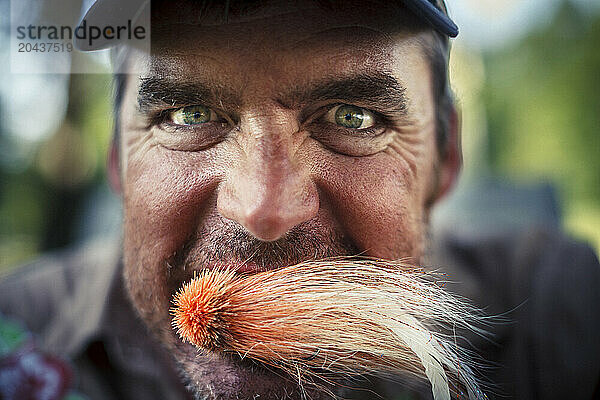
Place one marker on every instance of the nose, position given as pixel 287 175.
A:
pixel 270 190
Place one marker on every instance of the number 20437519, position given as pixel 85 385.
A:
pixel 45 47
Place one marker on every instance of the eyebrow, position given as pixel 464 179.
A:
pixel 381 92
pixel 158 92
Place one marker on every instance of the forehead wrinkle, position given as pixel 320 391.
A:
pixel 177 64
pixel 347 50
pixel 356 33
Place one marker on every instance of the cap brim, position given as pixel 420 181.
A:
pixel 433 16
pixel 108 13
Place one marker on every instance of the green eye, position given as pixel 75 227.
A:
pixel 192 115
pixel 352 117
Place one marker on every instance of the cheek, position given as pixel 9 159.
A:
pixel 166 194
pixel 379 202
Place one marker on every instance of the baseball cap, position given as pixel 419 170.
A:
pixel 105 12
pixel 436 17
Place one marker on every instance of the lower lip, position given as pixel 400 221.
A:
pixel 250 268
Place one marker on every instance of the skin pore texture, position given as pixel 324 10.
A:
pixel 271 180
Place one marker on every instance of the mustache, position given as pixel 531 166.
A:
pixel 224 243
pixel 340 318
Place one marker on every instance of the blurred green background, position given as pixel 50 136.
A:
pixel 528 86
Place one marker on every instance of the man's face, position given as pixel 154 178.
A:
pixel 280 136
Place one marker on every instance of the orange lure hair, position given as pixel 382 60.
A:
pixel 341 318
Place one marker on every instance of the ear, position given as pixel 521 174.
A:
pixel 450 163
pixel 113 167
